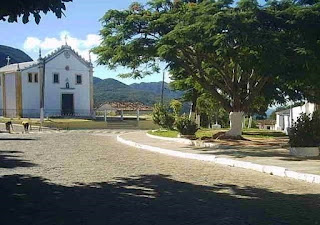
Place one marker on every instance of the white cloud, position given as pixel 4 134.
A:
pixel 167 77
pixel 31 43
pixel 82 46
pixel 49 44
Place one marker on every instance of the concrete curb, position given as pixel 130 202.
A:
pixel 185 141
pixel 272 170
pixel 179 140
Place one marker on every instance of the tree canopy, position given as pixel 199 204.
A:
pixel 245 56
pixel 11 10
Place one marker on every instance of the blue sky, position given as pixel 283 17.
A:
pixel 81 26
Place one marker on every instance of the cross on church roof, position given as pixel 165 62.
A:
pixel 8 60
pixel 66 40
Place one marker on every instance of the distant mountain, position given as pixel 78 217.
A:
pixel 156 87
pixel 96 80
pixel 16 55
pixel 111 90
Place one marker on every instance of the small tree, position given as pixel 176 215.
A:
pixel 176 106
pixel 162 116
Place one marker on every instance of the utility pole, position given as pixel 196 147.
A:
pixel 162 90
pixel 42 83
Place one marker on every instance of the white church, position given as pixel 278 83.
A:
pixel 60 84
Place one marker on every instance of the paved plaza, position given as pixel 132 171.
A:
pixel 87 177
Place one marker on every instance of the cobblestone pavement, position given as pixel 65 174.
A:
pixel 85 177
pixel 93 132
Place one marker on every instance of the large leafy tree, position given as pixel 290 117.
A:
pixel 13 9
pixel 244 56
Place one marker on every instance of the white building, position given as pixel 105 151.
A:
pixel 60 84
pixel 286 118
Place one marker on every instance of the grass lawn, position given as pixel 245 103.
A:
pixel 165 133
pixel 74 124
pixel 256 133
pixel 19 121
pixel 203 133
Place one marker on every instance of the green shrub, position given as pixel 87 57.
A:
pixel 186 126
pixel 162 116
pixel 316 126
pixel 176 106
pixel 305 132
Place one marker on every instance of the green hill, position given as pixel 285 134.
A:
pixel 96 80
pixel 16 55
pixel 111 90
pixel 156 87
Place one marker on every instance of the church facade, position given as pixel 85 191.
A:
pixel 60 84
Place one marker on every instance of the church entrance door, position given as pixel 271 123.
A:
pixel 67 106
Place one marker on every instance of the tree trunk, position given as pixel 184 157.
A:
pixel 193 110
pixel 235 124
pixel 250 122
pixel 243 122
pixel 198 120
pixel 192 114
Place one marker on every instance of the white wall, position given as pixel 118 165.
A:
pixel 308 108
pixel 30 94
pixel 10 83
pixel 278 123
pixel 284 121
pixel 286 124
pixel 54 91
pixel 1 104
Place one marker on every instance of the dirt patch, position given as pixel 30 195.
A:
pixel 251 142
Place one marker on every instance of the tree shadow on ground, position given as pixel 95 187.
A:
pixel 258 152
pixel 149 199
pixel 11 159
pixel 264 133
pixel 17 139
pixel 250 143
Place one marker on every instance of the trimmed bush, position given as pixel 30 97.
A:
pixel 186 126
pixel 162 116
pixel 306 131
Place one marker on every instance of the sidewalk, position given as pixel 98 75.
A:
pixel 276 157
